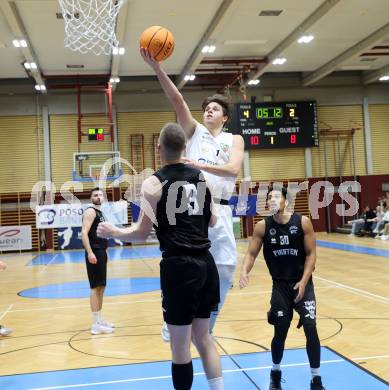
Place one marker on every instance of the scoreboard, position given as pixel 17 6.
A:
pixel 95 134
pixel 276 125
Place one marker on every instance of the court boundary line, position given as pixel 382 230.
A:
pixel 162 361
pixel 46 265
pixel 371 357
pixel 6 311
pixel 143 379
pixel 355 290
pixel 236 364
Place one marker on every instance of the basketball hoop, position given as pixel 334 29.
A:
pixel 90 25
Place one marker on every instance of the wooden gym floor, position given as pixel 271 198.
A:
pixel 45 301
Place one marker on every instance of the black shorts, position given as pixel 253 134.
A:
pixel 97 273
pixel 282 303
pixel 190 288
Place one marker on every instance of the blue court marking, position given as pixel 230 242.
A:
pixel 114 254
pixel 353 248
pixel 239 372
pixel 124 286
pixel 136 253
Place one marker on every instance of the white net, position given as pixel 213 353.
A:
pixel 90 25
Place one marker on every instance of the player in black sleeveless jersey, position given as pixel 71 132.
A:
pixel 289 249
pixel 96 260
pixel 178 202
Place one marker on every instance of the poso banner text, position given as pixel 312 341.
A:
pixel 64 215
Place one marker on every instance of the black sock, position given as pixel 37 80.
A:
pixel 182 376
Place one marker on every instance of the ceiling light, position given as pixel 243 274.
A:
pixel 30 65
pixel 40 87
pixel 208 49
pixel 279 61
pixel 19 43
pixel 118 50
pixel 253 82
pixel 189 77
pixel 306 39
pixel 384 78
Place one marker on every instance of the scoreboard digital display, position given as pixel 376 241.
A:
pixel 276 125
pixel 95 134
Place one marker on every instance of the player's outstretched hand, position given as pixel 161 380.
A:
pixel 300 286
pixel 244 280
pixel 105 229
pixel 3 265
pixel 92 258
pixel 146 55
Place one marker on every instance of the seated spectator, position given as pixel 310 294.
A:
pixel 378 218
pixel 383 223
pixel 385 233
pixel 359 223
pixel 356 226
pixel 368 216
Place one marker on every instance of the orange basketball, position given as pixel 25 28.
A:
pixel 159 41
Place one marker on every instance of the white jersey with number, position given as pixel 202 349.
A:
pixel 207 149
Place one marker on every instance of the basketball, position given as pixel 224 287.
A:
pixel 159 41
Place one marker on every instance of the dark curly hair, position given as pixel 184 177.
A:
pixel 219 99
pixel 283 190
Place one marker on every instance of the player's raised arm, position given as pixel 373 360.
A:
pixel 151 194
pixel 184 116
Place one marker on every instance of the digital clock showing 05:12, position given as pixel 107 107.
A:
pixel 276 125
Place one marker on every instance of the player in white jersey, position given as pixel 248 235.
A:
pixel 220 156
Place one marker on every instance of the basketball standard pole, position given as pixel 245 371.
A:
pixel 325 188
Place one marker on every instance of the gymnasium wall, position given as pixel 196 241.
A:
pixel 141 123
pixel 339 149
pixel 379 127
pixel 64 142
pixel 145 114
pixel 21 153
